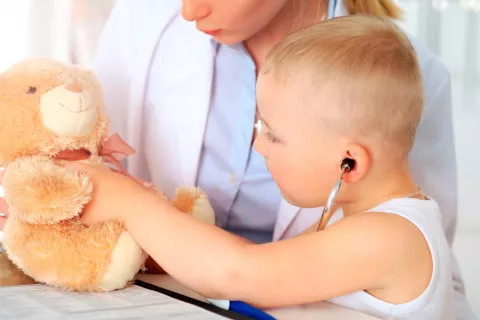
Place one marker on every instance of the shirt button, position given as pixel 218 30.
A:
pixel 232 178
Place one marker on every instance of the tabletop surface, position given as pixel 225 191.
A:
pixel 321 310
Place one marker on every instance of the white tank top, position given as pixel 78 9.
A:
pixel 437 301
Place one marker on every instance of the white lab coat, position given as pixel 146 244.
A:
pixel 136 30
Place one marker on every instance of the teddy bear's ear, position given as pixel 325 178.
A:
pixel 83 70
pixel 86 72
pixel 88 75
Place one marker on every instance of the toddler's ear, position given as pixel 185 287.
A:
pixel 362 161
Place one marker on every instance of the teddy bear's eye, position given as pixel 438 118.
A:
pixel 31 90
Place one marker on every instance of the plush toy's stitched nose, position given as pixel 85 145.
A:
pixel 74 87
pixel 67 111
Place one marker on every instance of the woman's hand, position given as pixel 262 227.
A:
pixel 114 195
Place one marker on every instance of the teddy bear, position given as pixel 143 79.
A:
pixel 51 113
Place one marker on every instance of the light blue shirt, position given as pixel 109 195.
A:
pixel 231 172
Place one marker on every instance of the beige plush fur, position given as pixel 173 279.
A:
pixel 47 109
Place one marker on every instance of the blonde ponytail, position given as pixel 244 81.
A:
pixel 379 8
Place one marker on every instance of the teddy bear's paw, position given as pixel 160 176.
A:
pixel 194 202
pixel 38 191
pixel 185 199
pixel 202 210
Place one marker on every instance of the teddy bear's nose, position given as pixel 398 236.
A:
pixel 74 87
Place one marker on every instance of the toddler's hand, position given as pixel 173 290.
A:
pixel 114 195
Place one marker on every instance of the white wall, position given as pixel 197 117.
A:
pixel 13 44
pixel 453 34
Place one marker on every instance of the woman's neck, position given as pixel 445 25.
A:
pixel 294 15
pixel 384 186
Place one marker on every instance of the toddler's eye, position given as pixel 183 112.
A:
pixel 31 90
pixel 271 138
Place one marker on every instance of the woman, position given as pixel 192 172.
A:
pixel 179 82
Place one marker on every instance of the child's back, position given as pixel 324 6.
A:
pixel 436 302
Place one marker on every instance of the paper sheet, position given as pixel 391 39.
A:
pixel 41 302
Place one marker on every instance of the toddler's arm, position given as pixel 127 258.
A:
pixel 367 251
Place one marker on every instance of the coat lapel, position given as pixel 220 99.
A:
pixel 183 98
pixel 195 101
pixel 139 68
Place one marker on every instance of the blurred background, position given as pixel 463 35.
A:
pixel 68 30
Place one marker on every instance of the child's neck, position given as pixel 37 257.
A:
pixel 374 191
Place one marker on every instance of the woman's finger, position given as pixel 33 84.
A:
pixel 3 206
pixel 3 220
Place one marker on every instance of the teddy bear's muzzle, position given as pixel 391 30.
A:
pixel 68 111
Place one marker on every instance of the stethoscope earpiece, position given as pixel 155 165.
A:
pixel 347 165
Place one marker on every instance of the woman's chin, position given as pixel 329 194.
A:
pixel 227 38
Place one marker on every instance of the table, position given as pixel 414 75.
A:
pixel 321 310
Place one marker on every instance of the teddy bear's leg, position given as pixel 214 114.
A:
pixel 10 274
pixel 101 257
pixel 195 202
pixel 126 259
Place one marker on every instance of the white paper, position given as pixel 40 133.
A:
pixel 41 302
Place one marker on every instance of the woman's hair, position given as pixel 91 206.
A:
pixel 379 8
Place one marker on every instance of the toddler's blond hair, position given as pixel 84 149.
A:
pixel 367 67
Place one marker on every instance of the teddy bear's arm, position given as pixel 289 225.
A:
pixel 39 191
pixel 194 202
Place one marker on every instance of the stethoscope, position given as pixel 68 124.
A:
pixel 346 166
